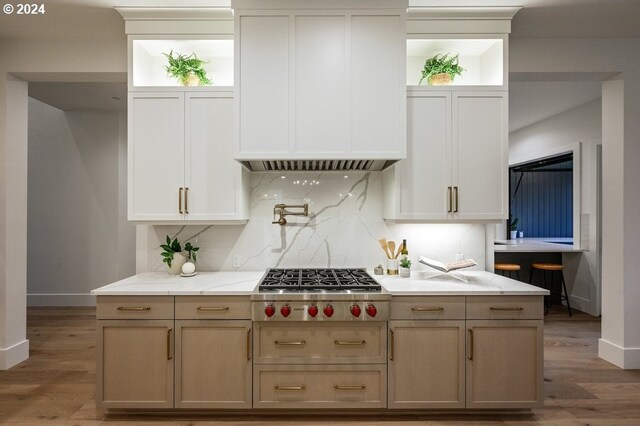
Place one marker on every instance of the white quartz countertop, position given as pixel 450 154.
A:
pixel 242 283
pixel 161 283
pixel 480 283
pixel 535 245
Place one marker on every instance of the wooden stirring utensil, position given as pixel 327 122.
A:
pixel 385 247
pixel 392 249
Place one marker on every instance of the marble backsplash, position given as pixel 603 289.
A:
pixel 342 230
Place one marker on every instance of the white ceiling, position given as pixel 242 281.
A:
pixel 530 102
pixel 81 96
pixel 96 19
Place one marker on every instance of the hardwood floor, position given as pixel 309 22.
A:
pixel 56 386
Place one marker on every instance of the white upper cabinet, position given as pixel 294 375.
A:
pixel 457 163
pixel 320 84
pixel 181 167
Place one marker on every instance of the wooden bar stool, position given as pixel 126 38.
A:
pixel 508 268
pixel 551 268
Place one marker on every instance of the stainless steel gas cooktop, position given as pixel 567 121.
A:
pixel 304 294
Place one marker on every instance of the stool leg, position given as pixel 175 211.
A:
pixel 518 275
pixel 531 276
pixel 549 302
pixel 566 294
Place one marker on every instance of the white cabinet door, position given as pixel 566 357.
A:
pixel 156 155
pixel 322 99
pixel 378 86
pixel 480 144
pixel 213 177
pixel 263 66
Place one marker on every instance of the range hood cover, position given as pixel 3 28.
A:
pixel 316 165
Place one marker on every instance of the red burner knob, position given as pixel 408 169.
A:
pixel 285 310
pixel 328 310
pixel 312 310
pixel 371 310
pixel 270 310
pixel 355 310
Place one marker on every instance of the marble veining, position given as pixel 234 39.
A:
pixel 342 230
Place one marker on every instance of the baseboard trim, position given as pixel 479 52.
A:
pixel 71 299
pixel 14 355
pixel 627 358
pixel 582 304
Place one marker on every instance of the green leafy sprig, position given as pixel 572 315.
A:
pixel 172 247
pixel 405 263
pixel 180 66
pixel 513 224
pixel 441 63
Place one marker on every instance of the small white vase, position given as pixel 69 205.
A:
pixel 405 272
pixel 514 235
pixel 179 259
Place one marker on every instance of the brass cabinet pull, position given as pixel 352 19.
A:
pixel 248 344
pixel 450 199
pixel 134 308
pixel 455 190
pixel 213 308
pixel 514 308
pixel 338 387
pixel 470 330
pixel 169 356
pixel 290 388
pixel 290 343
pixel 186 200
pixel 421 309
pixel 350 342
pixel 391 344
pixel 180 200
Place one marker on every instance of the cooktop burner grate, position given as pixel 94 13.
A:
pixel 301 280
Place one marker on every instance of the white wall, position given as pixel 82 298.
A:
pixel 100 58
pixel 582 124
pixel 78 237
pixel 343 229
pixel 620 342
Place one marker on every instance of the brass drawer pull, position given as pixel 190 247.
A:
pixel 515 308
pixel 290 388
pixel 248 344
pixel 470 344
pixel 450 206
pixel 391 344
pixel 455 190
pixel 350 343
pixel 338 387
pixel 213 308
pixel 134 308
pixel 290 343
pixel 180 200
pixel 186 200
pixel 169 356
pixel 420 309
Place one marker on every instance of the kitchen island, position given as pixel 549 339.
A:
pixel 194 343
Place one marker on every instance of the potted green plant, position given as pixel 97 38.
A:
pixel 177 260
pixel 441 69
pixel 405 267
pixel 187 69
pixel 513 227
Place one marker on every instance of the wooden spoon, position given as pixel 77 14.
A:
pixel 392 249
pixel 385 247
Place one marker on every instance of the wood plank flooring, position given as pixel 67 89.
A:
pixel 56 386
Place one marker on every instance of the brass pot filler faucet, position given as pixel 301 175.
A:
pixel 281 210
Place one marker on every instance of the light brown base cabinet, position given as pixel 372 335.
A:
pixel 204 352
pixel 466 352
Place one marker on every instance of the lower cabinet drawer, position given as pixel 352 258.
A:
pixel 134 307
pixel 213 307
pixel 326 343
pixel 505 307
pixel 320 386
